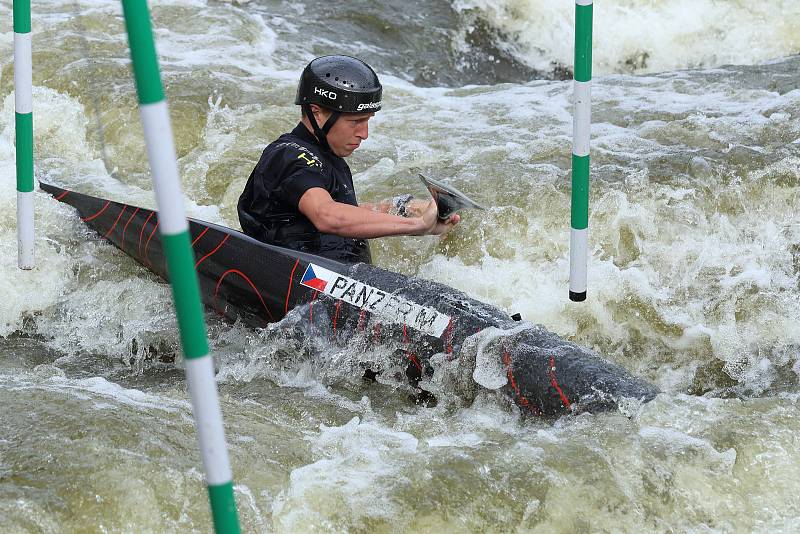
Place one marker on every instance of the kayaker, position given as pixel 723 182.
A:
pixel 300 195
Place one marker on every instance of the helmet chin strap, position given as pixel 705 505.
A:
pixel 321 133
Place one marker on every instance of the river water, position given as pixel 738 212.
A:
pixel 693 270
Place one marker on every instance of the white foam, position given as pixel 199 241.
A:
pixel 643 35
pixel 355 466
pixel 246 43
pixel 469 439
pixel 489 370
pixel 677 442
pixel 96 389
pixel 654 241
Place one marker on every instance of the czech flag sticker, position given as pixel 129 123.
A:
pixel 310 279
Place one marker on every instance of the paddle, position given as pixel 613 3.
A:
pixel 448 199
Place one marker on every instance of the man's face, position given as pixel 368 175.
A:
pixel 347 132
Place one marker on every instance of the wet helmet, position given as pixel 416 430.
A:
pixel 342 84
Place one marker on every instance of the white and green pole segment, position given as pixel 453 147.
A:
pixel 180 266
pixel 582 118
pixel 23 118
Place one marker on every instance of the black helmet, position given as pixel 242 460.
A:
pixel 340 83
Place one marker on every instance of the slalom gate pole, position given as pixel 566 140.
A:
pixel 180 266
pixel 23 119
pixel 582 118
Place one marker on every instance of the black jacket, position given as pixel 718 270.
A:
pixel 268 206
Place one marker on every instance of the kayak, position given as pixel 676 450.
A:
pixel 430 326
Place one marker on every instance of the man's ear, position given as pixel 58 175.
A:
pixel 320 113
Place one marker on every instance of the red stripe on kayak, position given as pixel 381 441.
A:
pixel 448 336
pixel 96 215
pixel 62 195
pixel 252 285
pixel 204 258
pixel 410 356
pixel 311 308
pixel 141 233
pixel 289 289
pixel 126 227
pixel 523 401
pixel 551 372
pixel 115 222
pixel 147 245
pixel 196 239
pixel 336 315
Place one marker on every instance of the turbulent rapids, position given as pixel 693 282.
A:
pixel 416 319
pixel 694 275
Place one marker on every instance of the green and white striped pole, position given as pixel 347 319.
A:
pixel 582 118
pixel 23 118
pixel 180 266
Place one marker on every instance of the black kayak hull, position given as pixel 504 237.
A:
pixel 242 278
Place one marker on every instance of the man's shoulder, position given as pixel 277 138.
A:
pixel 293 150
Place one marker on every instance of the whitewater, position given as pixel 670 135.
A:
pixel 694 260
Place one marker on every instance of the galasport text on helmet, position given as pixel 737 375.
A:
pixel 340 83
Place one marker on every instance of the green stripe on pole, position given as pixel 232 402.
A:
pixel 580 192
pixel 22 16
pixel 186 292
pixel 223 508
pixel 583 43
pixel 143 51
pixel 180 267
pixel 24 127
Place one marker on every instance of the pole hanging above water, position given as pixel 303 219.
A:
pixel 23 120
pixel 582 118
pixel 180 266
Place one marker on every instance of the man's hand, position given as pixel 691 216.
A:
pixel 416 207
pixel 432 225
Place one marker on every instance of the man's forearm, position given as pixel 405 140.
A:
pixel 363 221
pixel 382 206
pixel 331 217
pixel 398 205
